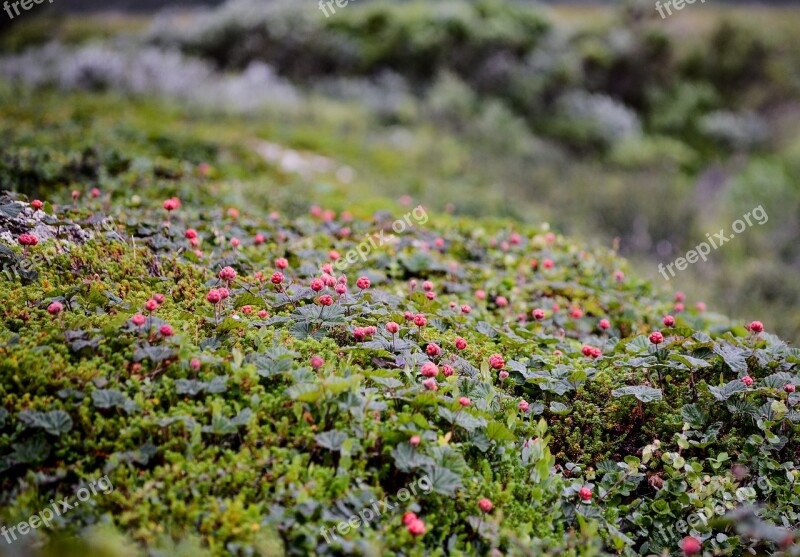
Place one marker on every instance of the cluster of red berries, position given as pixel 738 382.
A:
pixel 28 240
pixel 591 351
pixel 360 333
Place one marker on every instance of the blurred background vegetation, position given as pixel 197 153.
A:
pixel 603 119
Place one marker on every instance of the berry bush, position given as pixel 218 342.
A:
pixel 248 389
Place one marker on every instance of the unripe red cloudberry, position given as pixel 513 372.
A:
pixel 416 527
pixel 496 361
pixel 656 337
pixel 317 285
pixel 485 505
pixel 429 369
pixel 227 274
pixel 690 545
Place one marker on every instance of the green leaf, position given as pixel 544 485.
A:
pixel 728 390
pixel 111 398
pixel 641 392
pixel 407 457
pixel 690 361
pixel 559 408
pixel 444 481
pixel 500 433
pixel 55 422
pixel 734 356
pixel 274 361
pixel 331 440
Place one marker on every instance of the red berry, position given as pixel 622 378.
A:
pixel 496 361
pixel 317 362
pixel 656 337
pixel 166 330
pixel 485 505
pixel 36 204
pixel 363 283
pixel 538 314
pixel 227 274
pixel 151 305
pixel 747 380
pixel 464 401
pixel 213 296
pixel 669 321
pixel 788 387
pixel 604 324
pixel 416 527
pixel 190 234
pixel 409 517
pixel 415 441
pixel 433 349
pixel 55 308
pixel 756 326
pixel 461 344
pixel 281 263
pixel 523 406
pixel 392 327
pixel 138 319
pixel 326 300
pixel 429 369
pixel 317 285
pixel 276 278
pixel 691 545
pixel 585 493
